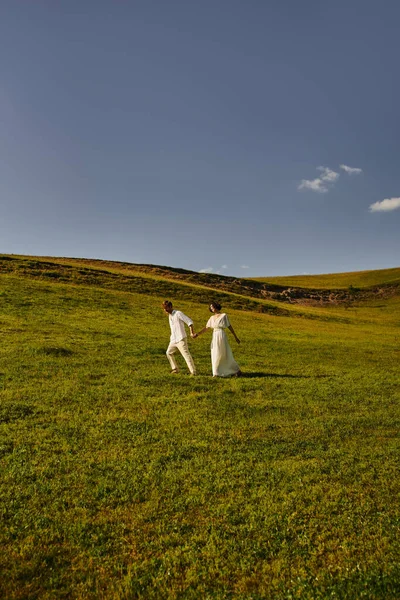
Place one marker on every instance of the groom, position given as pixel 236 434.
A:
pixel 178 340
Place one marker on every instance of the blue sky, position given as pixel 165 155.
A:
pixel 202 135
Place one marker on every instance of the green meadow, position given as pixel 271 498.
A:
pixel 359 279
pixel 121 481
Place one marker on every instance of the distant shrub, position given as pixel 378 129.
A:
pixel 53 274
pixel 33 264
pixel 353 289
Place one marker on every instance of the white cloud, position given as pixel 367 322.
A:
pixel 224 267
pixel 385 205
pixel 351 170
pixel 320 184
pixel 316 185
pixel 206 270
pixel 245 267
pixel 328 175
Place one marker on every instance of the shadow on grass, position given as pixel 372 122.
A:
pixel 256 374
pixel 54 351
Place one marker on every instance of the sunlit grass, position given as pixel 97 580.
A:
pixel 120 481
pixel 359 279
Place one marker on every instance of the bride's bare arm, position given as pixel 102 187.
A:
pixel 233 333
pixel 200 332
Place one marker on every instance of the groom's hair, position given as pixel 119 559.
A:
pixel 167 304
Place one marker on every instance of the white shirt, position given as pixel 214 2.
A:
pixel 176 322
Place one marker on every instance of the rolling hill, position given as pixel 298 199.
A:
pixel 119 480
pixel 266 294
pixel 356 279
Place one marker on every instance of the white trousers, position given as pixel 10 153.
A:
pixel 183 348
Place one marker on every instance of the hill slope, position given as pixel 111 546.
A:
pixel 142 279
pixel 119 480
pixel 266 294
pixel 356 279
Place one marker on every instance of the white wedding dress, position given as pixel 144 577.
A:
pixel 222 361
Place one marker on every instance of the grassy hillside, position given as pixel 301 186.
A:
pixel 267 295
pixel 142 279
pixel 122 481
pixel 360 279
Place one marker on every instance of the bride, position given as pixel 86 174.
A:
pixel 223 363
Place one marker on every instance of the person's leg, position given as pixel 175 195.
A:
pixel 184 350
pixel 172 348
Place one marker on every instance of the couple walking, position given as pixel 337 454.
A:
pixel 222 361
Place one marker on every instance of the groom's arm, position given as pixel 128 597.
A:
pixel 188 322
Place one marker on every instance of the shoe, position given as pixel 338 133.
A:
pixel 174 372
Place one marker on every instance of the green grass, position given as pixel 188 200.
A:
pixel 141 279
pixel 359 279
pixel 121 481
